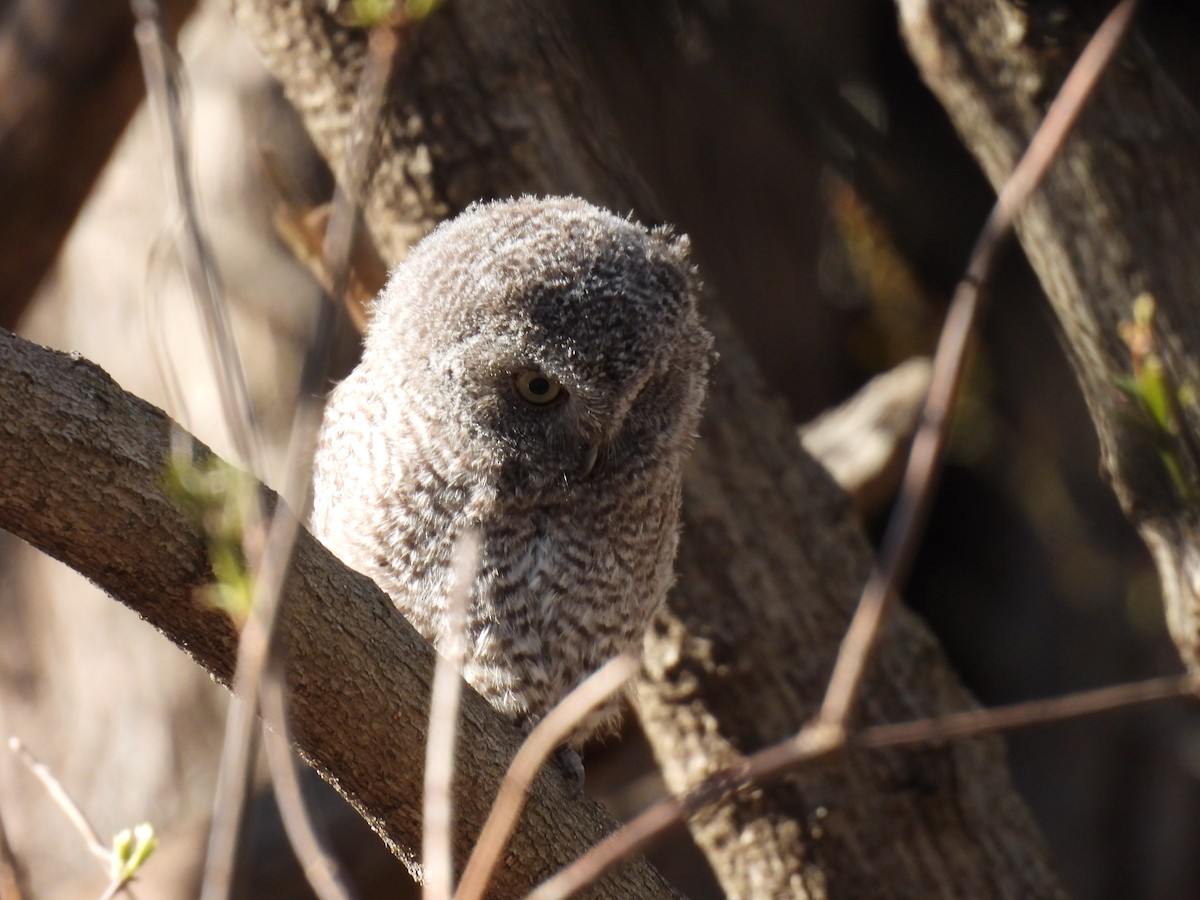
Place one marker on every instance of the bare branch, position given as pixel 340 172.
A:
pixel 437 847
pixel 163 87
pixel 862 442
pixel 62 799
pixel 1025 715
pixel 269 565
pixel 814 744
pixel 162 77
pixel 119 882
pixel 616 847
pixel 320 866
pixel 907 523
pixel 1114 223
pixel 551 732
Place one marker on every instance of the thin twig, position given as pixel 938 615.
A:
pixel 1023 715
pixel 907 522
pixel 382 44
pixel 635 833
pixel 74 815
pixel 320 867
pixel 160 257
pixel 437 858
pixel 162 79
pixel 116 886
pixel 61 799
pixel 161 75
pixel 229 794
pixel 551 732
pixel 802 750
pixel 271 567
pixel 254 647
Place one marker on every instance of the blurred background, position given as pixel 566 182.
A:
pixel 830 203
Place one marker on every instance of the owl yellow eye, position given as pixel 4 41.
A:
pixel 536 388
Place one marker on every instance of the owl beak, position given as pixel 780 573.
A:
pixel 590 454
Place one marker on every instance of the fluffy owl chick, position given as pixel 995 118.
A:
pixel 534 371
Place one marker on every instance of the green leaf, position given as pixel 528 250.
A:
pixel 131 848
pixel 1154 391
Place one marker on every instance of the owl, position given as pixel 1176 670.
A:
pixel 533 371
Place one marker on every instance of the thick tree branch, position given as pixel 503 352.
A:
pixel 1118 216
pixel 491 99
pixel 82 465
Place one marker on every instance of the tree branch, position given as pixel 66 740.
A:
pixel 82 464
pixel 1115 218
pixel 862 442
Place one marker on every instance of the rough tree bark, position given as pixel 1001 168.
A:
pixel 491 99
pixel 1119 215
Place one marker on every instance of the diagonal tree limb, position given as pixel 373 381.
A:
pixel 82 464
pixel 1118 217
pixel 906 526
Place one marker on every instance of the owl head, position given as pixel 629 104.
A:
pixel 557 342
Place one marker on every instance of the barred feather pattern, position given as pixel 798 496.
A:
pixel 575 502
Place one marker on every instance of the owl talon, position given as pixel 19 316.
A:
pixel 571 763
